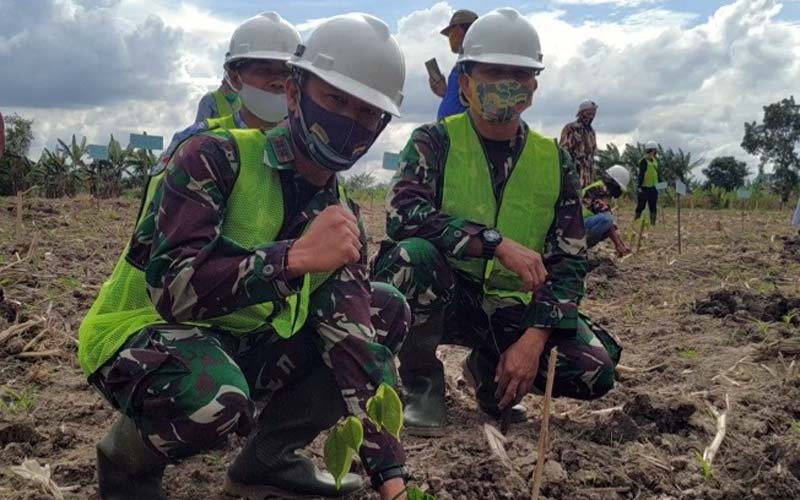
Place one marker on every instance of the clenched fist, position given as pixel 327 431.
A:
pixel 525 262
pixel 331 241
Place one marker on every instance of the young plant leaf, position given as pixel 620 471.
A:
pixel 343 442
pixel 385 410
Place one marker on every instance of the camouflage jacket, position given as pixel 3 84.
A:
pixel 413 210
pixel 194 273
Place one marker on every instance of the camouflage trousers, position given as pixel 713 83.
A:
pixel 587 356
pixel 188 388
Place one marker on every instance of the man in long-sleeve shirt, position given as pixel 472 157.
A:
pixel 246 279
pixel 483 212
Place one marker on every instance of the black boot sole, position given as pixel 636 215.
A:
pixel 263 491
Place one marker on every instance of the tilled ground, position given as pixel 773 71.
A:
pixel 721 320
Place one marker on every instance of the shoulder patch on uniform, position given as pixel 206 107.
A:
pixel 282 148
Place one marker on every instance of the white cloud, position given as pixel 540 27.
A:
pixel 121 66
pixel 620 3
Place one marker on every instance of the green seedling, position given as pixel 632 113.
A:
pixel 796 427
pixel 70 282
pixel 629 313
pixel 689 354
pixel 17 402
pixel 707 472
pixel 790 317
pixel 385 411
pixel 763 327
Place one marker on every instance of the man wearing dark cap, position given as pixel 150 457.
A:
pixel 448 91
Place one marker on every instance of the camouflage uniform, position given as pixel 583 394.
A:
pixel 578 139
pixel 414 260
pixel 187 387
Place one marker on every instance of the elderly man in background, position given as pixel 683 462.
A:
pixel 448 90
pixel 579 140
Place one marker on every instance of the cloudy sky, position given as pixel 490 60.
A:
pixel 685 73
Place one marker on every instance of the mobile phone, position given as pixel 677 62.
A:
pixel 433 70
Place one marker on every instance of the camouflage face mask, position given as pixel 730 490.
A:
pixel 500 101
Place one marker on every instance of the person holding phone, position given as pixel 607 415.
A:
pixel 448 90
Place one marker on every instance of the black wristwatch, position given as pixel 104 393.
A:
pixel 490 238
pixel 381 477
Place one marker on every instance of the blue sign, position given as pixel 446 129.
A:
pixel 391 161
pixel 97 151
pixel 680 188
pixel 144 141
pixel 743 194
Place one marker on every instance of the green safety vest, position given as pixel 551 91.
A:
pixel 253 217
pixel 587 212
pixel 224 106
pixel 651 173
pixel 525 211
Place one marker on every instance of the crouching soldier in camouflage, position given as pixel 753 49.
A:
pixel 246 279
pixel 488 243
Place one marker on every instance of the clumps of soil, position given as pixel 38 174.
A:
pixel 641 417
pixel 773 307
pixel 602 266
pixel 791 248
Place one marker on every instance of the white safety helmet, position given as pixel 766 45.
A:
pixel 620 175
pixel 265 36
pixel 503 36
pixel 356 53
pixel 650 145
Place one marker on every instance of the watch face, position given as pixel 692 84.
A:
pixel 491 236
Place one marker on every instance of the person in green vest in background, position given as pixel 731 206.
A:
pixel 649 176
pixel 221 102
pixel 597 216
pixel 256 68
pixel 488 245
pixel 246 280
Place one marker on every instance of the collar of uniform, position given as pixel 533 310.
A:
pixel 279 150
pixel 238 120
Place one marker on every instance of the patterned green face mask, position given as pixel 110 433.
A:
pixel 500 101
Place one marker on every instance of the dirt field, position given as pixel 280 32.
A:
pixel 721 319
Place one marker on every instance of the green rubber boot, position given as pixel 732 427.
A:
pixel 269 466
pixel 126 468
pixel 479 370
pixel 422 374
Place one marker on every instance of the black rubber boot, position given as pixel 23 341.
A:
pixel 479 370
pixel 422 374
pixel 269 466
pixel 126 468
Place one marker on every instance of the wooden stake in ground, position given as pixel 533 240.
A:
pixel 544 437
pixel 680 190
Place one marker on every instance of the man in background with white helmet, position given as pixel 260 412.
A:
pixel 221 102
pixel 579 140
pixel 246 279
pixel 597 216
pixel 255 67
pixel 487 242
pixel 649 176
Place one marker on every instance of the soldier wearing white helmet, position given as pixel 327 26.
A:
pixel 246 280
pixel 256 71
pixel 579 140
pixel 649 176
pixel 483 213
pixel 597 216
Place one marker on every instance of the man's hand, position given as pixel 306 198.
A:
pixel 392 489
pixel 623 249
pixel 518 367
pixel 525 262
pixel 331 241
pixel 439 87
